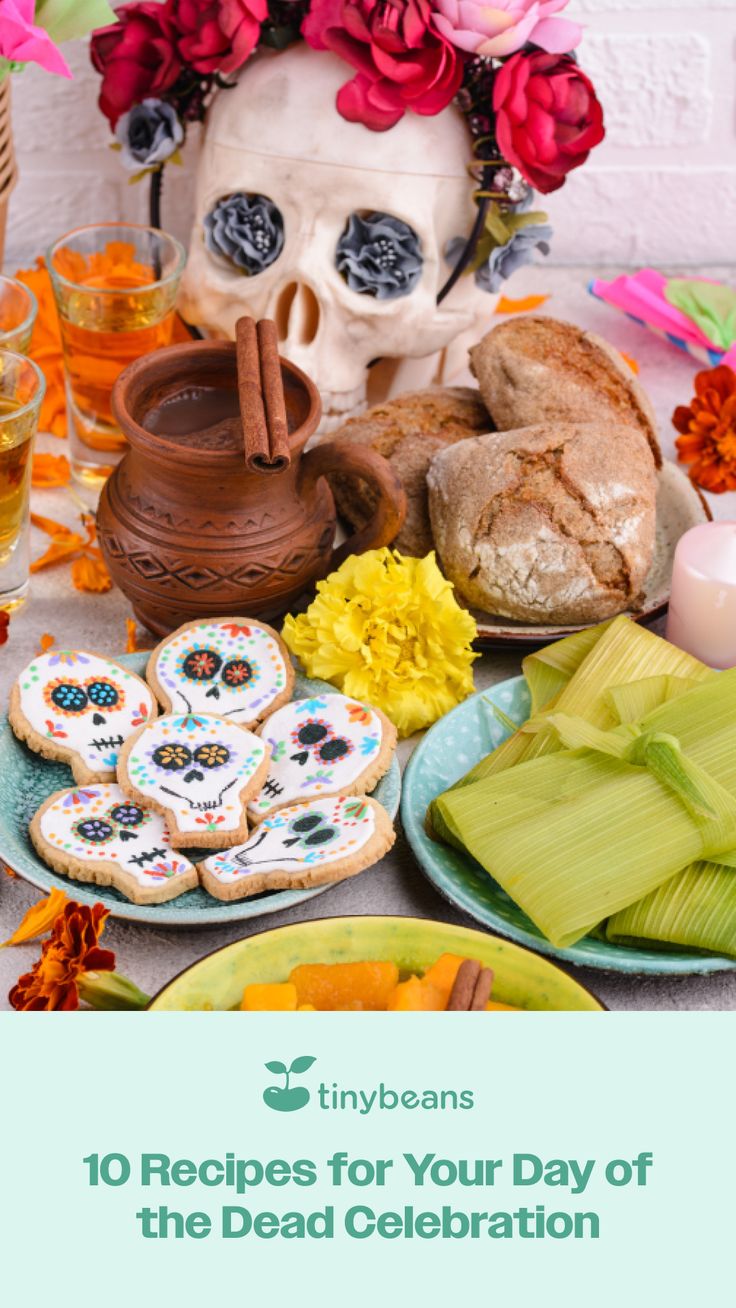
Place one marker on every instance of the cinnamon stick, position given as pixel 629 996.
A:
pixel 272 384
pixel 482 992
pixel 261 396
pixel 472 988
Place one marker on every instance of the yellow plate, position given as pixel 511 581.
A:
pixel 522 978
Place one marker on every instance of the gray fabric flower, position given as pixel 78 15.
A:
pixel 504 259
pixel 379 255
pixel 247 230
pixel 148 134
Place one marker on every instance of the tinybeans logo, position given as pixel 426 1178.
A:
pixel 288 1098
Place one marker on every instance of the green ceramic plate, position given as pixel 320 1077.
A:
pixel 449 750
pixel 26 780
pixel 520 977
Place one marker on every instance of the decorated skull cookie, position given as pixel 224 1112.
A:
pixel 95 833
pixel 330 745
pixel 232 667
pixel 79 708
pixel 303 845
pixel 199 771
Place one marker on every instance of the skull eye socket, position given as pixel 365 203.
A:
pixel 311 733
pixel 69 697
pixel 307 823
pixel 313 830
pixel 245 230
pixel 172 758
pixel 103 693
pixel 211 756
pixel 236 673
pixel 334 750
pixel 201 664
pixel 379 255
pixel 128 815
pixel 96 831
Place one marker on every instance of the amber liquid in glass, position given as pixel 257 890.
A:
pixel 16 441
pixel 101 334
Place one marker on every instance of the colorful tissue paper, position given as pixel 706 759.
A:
pixel 694 314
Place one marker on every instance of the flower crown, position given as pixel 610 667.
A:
pixel 532 113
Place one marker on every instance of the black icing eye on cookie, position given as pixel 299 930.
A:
pixel 128 815
pixel 236 673
pixel 334 750
pixel 172 757
pixel 211 756
pixel 201 664
pixel 312 831
pixel 96 831
pixel 103 693
pixel 69 697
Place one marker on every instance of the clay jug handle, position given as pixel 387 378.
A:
pixel 363 462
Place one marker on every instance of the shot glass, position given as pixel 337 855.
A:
pixel 18 309
pixel 22 387
pixel 115 287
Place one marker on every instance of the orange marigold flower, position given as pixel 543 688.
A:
pixel 708 427
pixel 39 919
pixel 71 950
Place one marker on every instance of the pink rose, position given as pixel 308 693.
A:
pixel 217 36
pixel 24 43
pixel 506 25
pixel 401 61
pixel 548 117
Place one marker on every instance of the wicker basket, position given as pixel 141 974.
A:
pixel 8 170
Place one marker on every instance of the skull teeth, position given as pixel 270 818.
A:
pixel 109 742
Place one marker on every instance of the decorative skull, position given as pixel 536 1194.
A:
pixel 197 770
pixel 84 706
pixel 320 746
pixel 336 232
pixel 236 669
pixel 99 824
pixel 300 845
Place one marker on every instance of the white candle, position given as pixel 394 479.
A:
pixel 702 616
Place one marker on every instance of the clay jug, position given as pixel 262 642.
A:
pixel 188 532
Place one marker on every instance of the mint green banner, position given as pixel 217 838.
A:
pixel 368 1160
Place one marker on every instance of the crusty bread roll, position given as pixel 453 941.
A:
pixel 408 431
pixel 551 524
pixel 535 369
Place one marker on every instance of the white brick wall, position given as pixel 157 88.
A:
pixel 662 188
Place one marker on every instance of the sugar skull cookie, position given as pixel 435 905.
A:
pixel 79 708
pixel 198 771
pixel 95 833
pixel 309 844
pixel 330 745
pixel 233 667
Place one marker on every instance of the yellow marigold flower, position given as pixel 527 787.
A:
pixel 388 630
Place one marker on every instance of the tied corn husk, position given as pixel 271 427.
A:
pixel 624 778
pixel 695 909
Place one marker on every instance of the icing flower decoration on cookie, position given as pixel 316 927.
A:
pixel 80 708
pixel 305 844
pixel 232 668
pixel 319 747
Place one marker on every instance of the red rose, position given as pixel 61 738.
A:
pixel 136 56
pixel 217 36
pixel 402 62
pixel 548 118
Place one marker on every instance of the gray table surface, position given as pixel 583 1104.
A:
pixel 396 885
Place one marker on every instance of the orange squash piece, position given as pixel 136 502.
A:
pixel 330 986
pixel 416 996
pixel 442 974
pixel 493 1006
pixel 274 998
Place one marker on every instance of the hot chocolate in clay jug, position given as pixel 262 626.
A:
pixel 216 508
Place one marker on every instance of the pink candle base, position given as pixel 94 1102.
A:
pixel 702 614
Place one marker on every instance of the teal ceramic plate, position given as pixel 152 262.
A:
pixel 26 780
pixel 450 749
